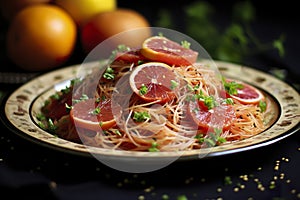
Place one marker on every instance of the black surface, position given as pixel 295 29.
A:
pixel 31 171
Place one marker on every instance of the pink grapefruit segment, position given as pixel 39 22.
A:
pixel 153 81
pixel 247 94
pixel 161 49
pixel 93 115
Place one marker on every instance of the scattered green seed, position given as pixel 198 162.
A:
pixel 182 197
pixel 227 180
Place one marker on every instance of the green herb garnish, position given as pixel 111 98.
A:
pixel 174 84
pixel 41 117
pixel 82 98
pixel 229 101
pixel 185 44
pixel 51 127
pixel 96 111
pixel 233 42
pixel 232 87
pixel 141 116
pixel 209 101
pixel 262 105
pixel 143 90
pixel 212 138
pixel 153 147
pixel 109 73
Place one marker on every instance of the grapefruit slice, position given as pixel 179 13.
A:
pixel 161 49
pixel 221 116
pixel 153 81
pixel 132 56
pixel 245 93
pixel 93 115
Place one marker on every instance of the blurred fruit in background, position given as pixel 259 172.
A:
pixel 9 8
pixel 82 10
pixel 107 24
pixel 45 34
pixel 41 37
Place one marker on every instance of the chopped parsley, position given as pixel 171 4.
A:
pixel 55 96
pixel 82 98
pixel 96 111
pixel 229 101
pixel 232 87
pixel 117 132
pixel 143 90
pixel 263 106
pixel 153 147
pixel 212 138
pixel 185 44
pixel 209 101
pixel 41 117
pixel 51 126
pixel 109 73
pixel 141 116
pixel 174 84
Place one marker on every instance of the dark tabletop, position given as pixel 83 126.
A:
pixel 32 171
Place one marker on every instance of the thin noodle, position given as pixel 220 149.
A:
pixel 168 127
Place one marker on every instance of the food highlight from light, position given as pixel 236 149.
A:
pixel 156 98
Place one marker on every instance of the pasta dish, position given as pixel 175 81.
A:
pixel 154 99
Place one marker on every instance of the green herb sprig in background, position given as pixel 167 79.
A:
pixel 233 42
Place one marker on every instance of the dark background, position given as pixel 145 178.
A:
pixel 31 171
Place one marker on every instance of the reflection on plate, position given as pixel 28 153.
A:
pixel 24 104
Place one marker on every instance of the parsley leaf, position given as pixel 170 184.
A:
pixel 263 106
pixel 153 147
pixel 209 101
pixel 185 44
pixel 231 87
pixel 141 116
pixel 109 73
pixel 174 84
pixel 143 90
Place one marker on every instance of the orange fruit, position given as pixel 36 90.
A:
pixel 246 94
pixel 41 37
pixel 153 81
pixel 82 10
pixel 161 49
pixel 107 24
pixel 93 115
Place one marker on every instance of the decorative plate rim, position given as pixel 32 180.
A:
pixel 19 115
